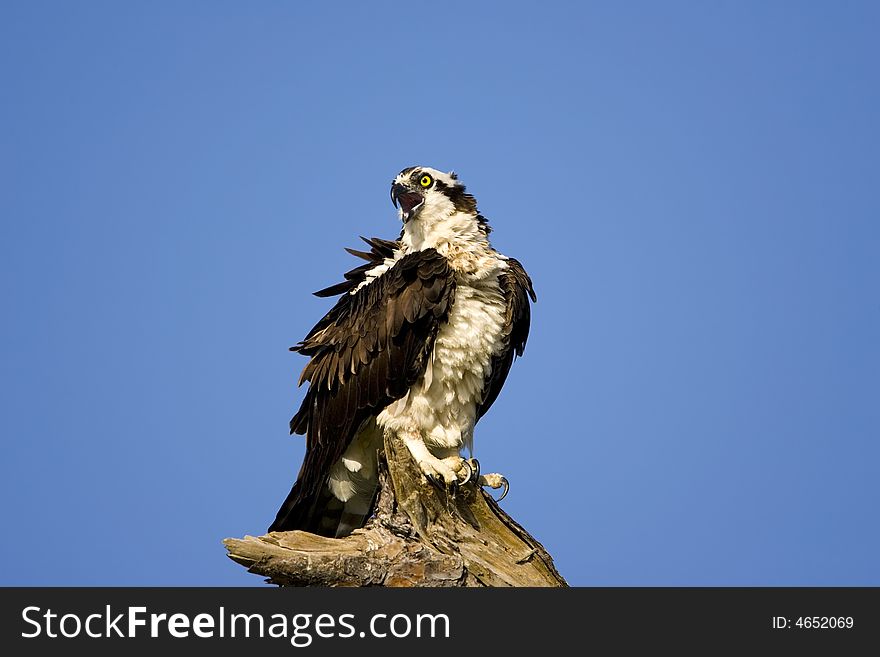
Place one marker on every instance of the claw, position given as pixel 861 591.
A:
pixel 434 482
pixel 473 471
pixel 506 485
pixel 475 464
pixel 496 481
pixel 470 473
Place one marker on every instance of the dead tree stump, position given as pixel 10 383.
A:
pixel 419 536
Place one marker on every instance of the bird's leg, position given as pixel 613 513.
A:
pixel 436 470
pixel 449 469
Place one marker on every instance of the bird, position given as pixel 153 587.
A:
pixel 416 349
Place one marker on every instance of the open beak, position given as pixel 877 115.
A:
pixel 409 201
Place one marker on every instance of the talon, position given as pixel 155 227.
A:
pixel 506 485
pixel 470 473
pixel 475 465
pixel 473 471
pixel 496 481
pixel 433 481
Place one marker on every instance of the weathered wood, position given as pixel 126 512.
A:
pixel 419 535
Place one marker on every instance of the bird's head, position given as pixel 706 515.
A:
pixel 430 194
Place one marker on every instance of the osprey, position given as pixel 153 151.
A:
pixel 416 348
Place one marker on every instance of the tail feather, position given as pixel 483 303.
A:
pixel 324 514
pixel 355 513
pixel 295 512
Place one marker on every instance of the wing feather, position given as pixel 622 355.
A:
pixel 517 289
pixel 365 353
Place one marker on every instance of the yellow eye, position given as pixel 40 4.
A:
pixel 426 180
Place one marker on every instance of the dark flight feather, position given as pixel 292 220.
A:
pixel 379 250
pixel 365 353
pixel 517 289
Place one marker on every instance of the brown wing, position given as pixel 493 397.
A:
pixel 517 289
pixel 365 353
pixel 379 250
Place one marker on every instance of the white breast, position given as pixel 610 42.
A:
pixel 441 406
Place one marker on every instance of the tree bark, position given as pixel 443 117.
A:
pixel 419 535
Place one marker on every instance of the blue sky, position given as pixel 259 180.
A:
pixel 693 188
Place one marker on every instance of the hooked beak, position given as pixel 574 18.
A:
pixel 410 201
